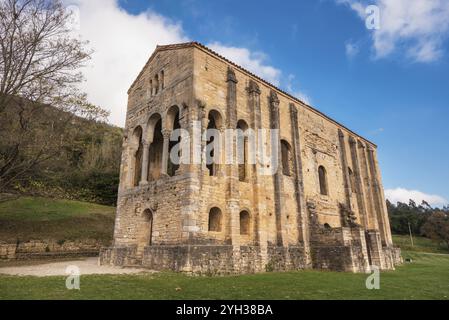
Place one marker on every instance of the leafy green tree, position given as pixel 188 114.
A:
pixel 437 227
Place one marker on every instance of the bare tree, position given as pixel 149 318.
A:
pixel 40 63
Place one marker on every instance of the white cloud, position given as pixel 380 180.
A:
pixel 122 43
pixel 253 61
pixel 358 7
pixel 404 195
pixel 416 28
pixel 297 93
pixel 352 49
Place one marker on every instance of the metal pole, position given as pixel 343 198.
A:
pixel 410 231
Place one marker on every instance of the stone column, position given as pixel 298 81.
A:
pixel 145 158
pixel 344 164
pixel 165 152
pixel 221 167
pixel 278 176
pixel 371 211
pixel 260 234
pixel 191 209
pixel 360 190
pixel 379 200
pixel 201 118
pixel 232 198
pixel 302 215
pixel 184 121
pixel 131 166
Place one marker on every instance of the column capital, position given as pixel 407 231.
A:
pixel 274 100
pixel 340 133
pixel 253 88
pixel 231 76
pixel 200 103
pixel 352 141
pixel 166 133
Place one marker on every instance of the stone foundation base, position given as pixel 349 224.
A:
pixel 208 259
pixel 227 259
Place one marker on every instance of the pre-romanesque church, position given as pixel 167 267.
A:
pixel 323 207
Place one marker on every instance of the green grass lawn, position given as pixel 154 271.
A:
pixel 33 218
pixel 426 278
pixel 26 218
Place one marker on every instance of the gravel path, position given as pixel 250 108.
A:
pixel 86 266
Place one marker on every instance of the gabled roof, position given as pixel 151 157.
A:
pixel 202 47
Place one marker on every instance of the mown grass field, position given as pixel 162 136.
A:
pixel 31 218
pixel 426 278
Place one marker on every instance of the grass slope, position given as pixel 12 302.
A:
pixel 31 218
pixel 420 244
pixel 426 278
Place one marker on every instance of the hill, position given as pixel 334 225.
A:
pixel 35 218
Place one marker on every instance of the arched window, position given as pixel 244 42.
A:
pixel 137 148
pixel 156 84
pixel 352 180
pixel 162 79
pixel 323 180
pixel 215 122
pixel 151 88
pixel 155 149
pixel 242 150
pixel 244 223
pixel 215 220
pixel 287 160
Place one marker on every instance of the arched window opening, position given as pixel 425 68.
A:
pixel 327 226
pixel 287 160
pixel 155 153
pixel 151 88
pixel 156 84
pixel 148 227
pixel 137 156
pixel 352 180
pixel 162 79
pixel 242 150
pixel 215 220
pixel 323 181
pixel 244 223
pixel 214 123
pixel 173 117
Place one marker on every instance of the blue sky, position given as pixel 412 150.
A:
pixel 390 85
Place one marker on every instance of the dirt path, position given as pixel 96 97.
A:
pixel 86 266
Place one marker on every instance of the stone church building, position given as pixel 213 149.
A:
pixel 323 208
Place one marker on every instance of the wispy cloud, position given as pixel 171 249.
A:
pixel 404 195
pixel 122 43
pixel 352 49
pixel 291 88
pixel 415 28
pixel 255 62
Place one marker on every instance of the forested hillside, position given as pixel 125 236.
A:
pixel 59 155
